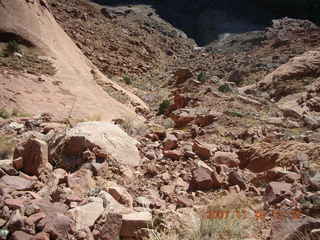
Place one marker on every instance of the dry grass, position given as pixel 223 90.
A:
pixel 6 147
pixel 236 222
pixel 233 226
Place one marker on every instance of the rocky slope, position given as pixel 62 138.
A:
pixel 232 152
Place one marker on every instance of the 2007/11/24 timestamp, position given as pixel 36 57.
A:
pixel 258 214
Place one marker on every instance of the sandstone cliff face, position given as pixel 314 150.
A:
pixel 72 91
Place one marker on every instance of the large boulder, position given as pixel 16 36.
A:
pixel 264 156
pixel 298 68
pixel 34 156
pixel 106 140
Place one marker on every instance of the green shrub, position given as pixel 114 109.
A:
pixel 224 88
pixel 163 107
pixel 4 113
pixel 202 77
pixel 127 80
pixel 12 47
pixel 235 114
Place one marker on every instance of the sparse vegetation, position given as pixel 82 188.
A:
pixel 127 80
pixel 4 113
pixel 12 47
pixel 225 229
pixel 225 88
pixel 234 114
pixel 163 107
pixel 202 77
pixel 28 63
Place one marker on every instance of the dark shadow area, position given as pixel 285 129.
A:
pixel 207 20
pixel 7 37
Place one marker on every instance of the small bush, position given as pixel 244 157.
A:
pixel 163 107
pixel 127 80
pixel 4 113
pixel 202 77
pixel 225 88
pixel 12 47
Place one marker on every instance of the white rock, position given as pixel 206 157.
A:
pixel 86 215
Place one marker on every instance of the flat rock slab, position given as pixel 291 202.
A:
pixel 86 215
pixel 16 183
pixel 134 221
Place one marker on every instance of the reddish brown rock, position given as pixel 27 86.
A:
pixel 18 163
pixel 203 179
pixel 173 154
pixel 132 222
pixel 258 159
pixel 34 156
pixel 179 101
pixel 203 150
pixel 182 75
pixel 120 194
pixel 207 119
pixel 182 118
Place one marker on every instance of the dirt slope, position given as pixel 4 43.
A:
pixel 73 89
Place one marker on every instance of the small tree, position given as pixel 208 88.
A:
pixel 163 107
pixel 202 77
pixel 127 80
pixel 225 88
